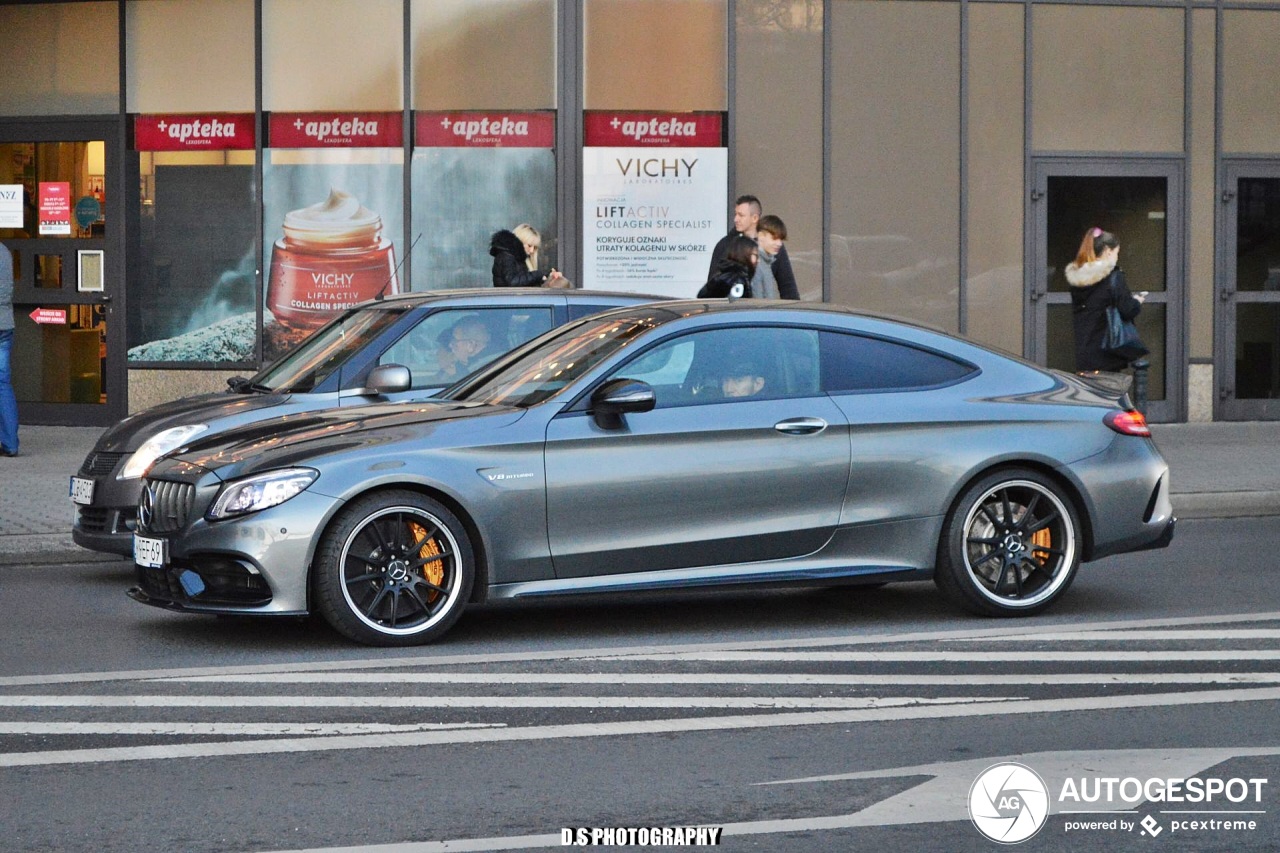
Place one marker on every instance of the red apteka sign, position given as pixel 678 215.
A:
pixel 484 130
pixel 605 129
pixel 188 132
pixel 50 316
pixel 336 130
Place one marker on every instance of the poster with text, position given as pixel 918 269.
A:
pixel 55 208
pixel 654 190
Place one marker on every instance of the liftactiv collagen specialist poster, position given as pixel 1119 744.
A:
pixel 333 220
pixel 654 195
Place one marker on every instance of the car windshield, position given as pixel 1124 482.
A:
pixel 317 357
pixel 554 361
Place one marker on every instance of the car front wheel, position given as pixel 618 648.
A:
pixel 394 569
pixel 1011 545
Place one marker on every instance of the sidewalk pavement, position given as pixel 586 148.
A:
pixel 1218 470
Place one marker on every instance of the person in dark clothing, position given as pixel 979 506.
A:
pixel 1097 282
pixel 746 216
pixel 732 278
pixel 515 258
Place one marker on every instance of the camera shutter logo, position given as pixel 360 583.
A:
pixel 1009 803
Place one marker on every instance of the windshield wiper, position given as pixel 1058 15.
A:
pixel 240 385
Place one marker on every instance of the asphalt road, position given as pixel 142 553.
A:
pixel 797 720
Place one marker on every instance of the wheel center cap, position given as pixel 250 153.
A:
pixel 1012 544
pixel 398 571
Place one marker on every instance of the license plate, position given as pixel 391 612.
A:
pixel 152 553
pixel 82 490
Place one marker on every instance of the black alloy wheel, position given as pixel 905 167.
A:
pixel 394 569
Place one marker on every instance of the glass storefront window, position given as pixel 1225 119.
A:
pixel 467 186
pixel 189 55
pixel 895 154
pixel 60 59
pixel 484 54
pixel 64 362
pixel 655 55
pixel 193 293
pixel 332 55
pixel 70 176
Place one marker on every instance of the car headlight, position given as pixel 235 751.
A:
pixel 155 447
pixel 260 491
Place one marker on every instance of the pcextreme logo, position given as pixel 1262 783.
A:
pixel 1009 803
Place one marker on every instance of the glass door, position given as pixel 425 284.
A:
pixel 1249 294
pixel 1140 201
pixel 68 346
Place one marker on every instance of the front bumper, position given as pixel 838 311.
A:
pixel 258 564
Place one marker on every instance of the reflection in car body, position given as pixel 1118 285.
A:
pixel 602 457
pixel 334 367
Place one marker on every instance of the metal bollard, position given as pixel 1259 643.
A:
pixel 1140 368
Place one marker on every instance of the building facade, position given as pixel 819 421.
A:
pixel 171 169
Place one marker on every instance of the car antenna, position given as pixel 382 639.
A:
pixel 380 294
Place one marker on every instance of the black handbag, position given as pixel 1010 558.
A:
pixel 1122 335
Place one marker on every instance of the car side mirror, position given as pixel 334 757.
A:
pixel 619 397
pixel 388 379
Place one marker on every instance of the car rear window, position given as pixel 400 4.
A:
pixel 857 363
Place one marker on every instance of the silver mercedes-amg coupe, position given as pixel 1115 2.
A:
pixel 667 445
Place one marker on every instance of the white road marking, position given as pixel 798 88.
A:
pixel 763 702
pixel 1129 636
pixel 410 740
pixel 428 659
pixel 1018 656
pixel 868 679
pixel 227 729
pixel 930 802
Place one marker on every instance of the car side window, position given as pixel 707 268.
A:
pixel 723 365
pixel 449 344
pixel 859 363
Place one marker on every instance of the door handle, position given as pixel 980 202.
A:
pixel 801 426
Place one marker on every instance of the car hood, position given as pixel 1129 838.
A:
pixel 129 434
pixel 302 438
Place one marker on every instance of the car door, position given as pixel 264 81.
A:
pixel 703 479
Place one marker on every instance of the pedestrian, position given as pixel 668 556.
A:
pixel 746 218
pixel 8 402
pixel 770 234
pixel 515 258
pixel 732 278
pixel 1097 282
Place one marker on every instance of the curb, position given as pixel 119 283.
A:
pixel 50 549
pixel 1225 504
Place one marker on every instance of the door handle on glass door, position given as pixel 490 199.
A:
pixel 801 426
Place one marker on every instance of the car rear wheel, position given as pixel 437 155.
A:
pixel 1011 545
pixel 394 569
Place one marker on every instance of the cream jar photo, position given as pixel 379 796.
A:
pixel 332 256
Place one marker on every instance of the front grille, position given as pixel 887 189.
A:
pixel 170 506
pixel 95 519
pixel 100 464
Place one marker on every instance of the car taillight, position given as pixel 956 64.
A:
pixel 1131 422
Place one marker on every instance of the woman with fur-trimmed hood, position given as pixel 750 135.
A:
pixel 515 258
pixel 1096 280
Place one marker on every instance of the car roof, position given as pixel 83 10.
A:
pixel 689 307
pixel 507 294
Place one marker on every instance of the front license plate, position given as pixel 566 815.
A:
pixel 152 553
pixel 82 490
